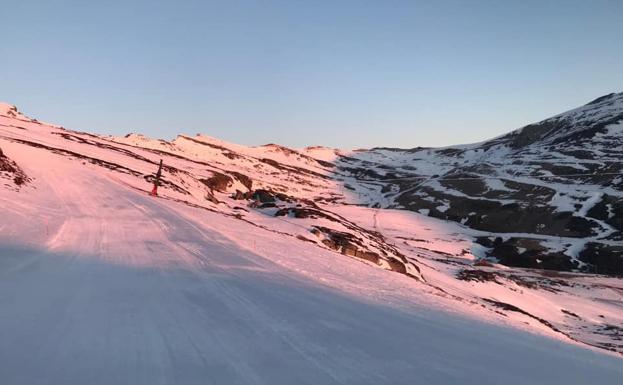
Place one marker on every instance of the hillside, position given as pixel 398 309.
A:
pixel 549 195
pixel 275 265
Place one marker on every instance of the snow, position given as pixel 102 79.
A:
pixel 589 203
pixel 496 184
pixel 581 173
pixel 101 284
pixel 134 289
pixel 443 208
pixel 322 153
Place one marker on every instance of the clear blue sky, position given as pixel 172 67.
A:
pixel 337 73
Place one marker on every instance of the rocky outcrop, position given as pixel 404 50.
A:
pixel 349 244
pixel 9 170
pixel 218 182
pixel 345 243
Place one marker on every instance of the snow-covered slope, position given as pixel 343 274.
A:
pixel 549 195
pixel 260 265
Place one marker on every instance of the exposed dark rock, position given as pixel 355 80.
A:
pixel 298 212
pixel 10 170
pixel 468 186
pixel 211 198
pixel 20 179
pixel 349 244
pixel 485 241
pixel 601 99
pixel 346 243
pixel 488 215
pixel 610 210
pixel 534 132
pixel 603 259
pixel 570 313
pixel 397 266
pixel 6 164
pixel 510 307
pixel 245 180
pixel 324 163
pixel 273 163
pixel 535 256
pixel 477 275
pixel 219 182
pixel 263 196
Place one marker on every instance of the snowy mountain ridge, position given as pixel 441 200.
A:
pixel 553 189
pixel 511 231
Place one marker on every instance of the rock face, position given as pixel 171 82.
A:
pixel 556 186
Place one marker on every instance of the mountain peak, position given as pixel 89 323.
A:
pixel 604 98
pixel 571 126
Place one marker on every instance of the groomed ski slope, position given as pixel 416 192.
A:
pixel 101 284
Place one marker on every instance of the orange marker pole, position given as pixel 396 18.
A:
pixel 154 190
